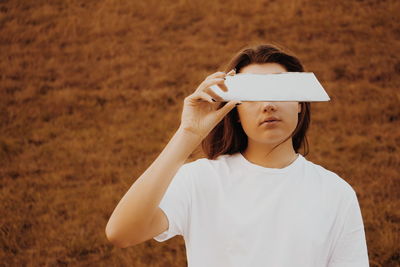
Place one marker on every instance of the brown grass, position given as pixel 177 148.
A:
pixel 91 91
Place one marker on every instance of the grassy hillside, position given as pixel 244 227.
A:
pixel 91 92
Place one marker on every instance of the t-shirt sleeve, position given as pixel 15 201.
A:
pixel 176 205
pixel 351 248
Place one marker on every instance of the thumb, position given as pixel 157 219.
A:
pixel 226 108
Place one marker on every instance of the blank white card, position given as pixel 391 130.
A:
pixel 285 86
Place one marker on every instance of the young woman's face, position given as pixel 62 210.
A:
pixel 252 114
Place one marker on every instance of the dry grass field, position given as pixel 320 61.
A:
pixel 91 92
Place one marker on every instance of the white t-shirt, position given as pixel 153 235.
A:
pixel 232 212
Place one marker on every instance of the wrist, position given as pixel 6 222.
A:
pixel 189 135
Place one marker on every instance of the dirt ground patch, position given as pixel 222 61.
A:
pixel 91 91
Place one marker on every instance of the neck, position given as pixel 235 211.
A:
pixel 263 155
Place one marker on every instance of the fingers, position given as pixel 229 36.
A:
pixel 204 92
pixel 231 72
pixel 213 95
pixel 222 85
pixel 201 96
pixel 227 107
pixel 209 82
pixel 219 74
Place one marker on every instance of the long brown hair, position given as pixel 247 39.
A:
pixel 228 136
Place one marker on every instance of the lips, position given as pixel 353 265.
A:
pixel 270 119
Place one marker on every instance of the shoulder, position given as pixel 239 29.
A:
pixel 192 168
pixel 195 164
pixel 335 182
pixel 207 163
pixel 209 169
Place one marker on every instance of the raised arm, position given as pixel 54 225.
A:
pixel 137 216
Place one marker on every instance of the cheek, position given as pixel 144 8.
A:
pixel 290 115
pixel 292 118
pixel 295 121
pixel 247 118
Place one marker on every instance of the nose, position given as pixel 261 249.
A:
pixel 269 107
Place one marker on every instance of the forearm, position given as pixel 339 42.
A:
pixel 137 207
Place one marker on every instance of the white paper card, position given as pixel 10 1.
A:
pixel 285 86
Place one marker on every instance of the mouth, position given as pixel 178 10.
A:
pixel 270 121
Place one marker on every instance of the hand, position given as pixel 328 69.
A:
pixel 200 113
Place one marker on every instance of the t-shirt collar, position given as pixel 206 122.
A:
pixel 244 162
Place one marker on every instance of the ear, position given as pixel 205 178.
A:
pixel 299 108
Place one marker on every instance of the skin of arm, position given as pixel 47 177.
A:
pixel 137 207
pixel 131 221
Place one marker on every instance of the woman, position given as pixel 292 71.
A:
pixel 255 200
